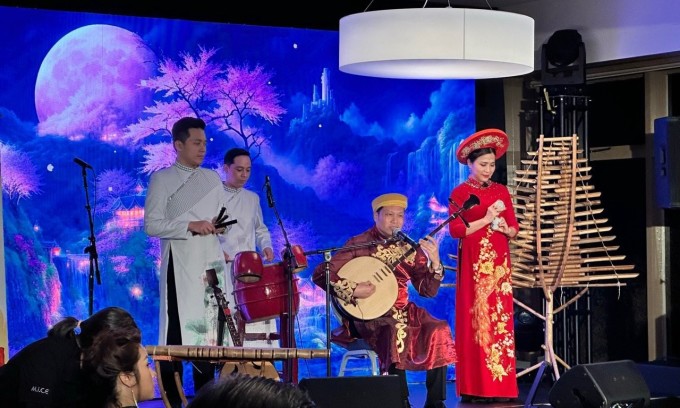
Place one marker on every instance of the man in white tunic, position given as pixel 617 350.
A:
pixel 182 204
pixel 248 234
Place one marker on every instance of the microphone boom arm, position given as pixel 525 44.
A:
pixel 469 203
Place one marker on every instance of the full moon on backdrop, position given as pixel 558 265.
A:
pixel 88 83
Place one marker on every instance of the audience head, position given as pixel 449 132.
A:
pixel 244 391
pixel 113 361
pixel 117 370
pixel 110 318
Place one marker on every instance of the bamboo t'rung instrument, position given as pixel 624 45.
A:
pixel 212 353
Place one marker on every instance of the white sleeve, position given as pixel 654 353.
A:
pixel 155 223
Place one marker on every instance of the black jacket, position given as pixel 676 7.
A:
pixel 44 374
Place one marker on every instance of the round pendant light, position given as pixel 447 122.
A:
pixel 437 43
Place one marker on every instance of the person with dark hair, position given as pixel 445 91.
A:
pixel 403 335
pixel 77 365
pixel 245 391
pixel 248 234
pixel 485 336
pixel 116 369
pixel 183 203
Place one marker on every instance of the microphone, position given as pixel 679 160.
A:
pixel 402 236
pixel 472 201
pixel 270 196
pixel 82 163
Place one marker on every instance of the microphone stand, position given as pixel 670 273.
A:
pixel 92 248
pixel 290 371
pixel 327 270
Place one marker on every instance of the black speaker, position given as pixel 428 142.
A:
pixel 384 391
pixel 601 385
pixel 667 161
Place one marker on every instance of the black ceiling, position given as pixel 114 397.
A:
pixel 318 14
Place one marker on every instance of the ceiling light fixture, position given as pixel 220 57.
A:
pixel 437 43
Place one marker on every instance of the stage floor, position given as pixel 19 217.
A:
pixel 417 397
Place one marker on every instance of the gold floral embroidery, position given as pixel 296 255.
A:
pixel 486 268
pixel 401 316
pixel 390 254
pixel 500 327
pixel 344 290
pixel 489 318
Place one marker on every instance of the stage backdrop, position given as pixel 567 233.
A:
pixel 105 89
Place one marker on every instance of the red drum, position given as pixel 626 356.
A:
pixel 247 267
pixel 298 261
pixel 268 298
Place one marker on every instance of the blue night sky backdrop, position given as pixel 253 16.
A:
pixel 76 84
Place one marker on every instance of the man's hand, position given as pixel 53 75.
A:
pixel 431 247
pixel 268 254
pixel 201 227
pixel 220 230
pixel 364 290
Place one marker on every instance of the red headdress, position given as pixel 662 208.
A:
pixel 493 138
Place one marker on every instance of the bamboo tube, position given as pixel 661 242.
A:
pixel 551 167
pixel 532 172
pixel 593 211
pixel 597 277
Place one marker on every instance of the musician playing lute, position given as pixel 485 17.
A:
pixel 405 336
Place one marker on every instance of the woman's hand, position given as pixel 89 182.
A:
pixel 505 229
pixel 491 213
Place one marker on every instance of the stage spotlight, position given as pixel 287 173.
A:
pixel 563 61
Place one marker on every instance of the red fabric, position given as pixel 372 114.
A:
pixel 484 302
pixel 420 341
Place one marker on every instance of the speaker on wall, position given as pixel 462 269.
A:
pixel 667 161
pixel 383 391
pixel 602 385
